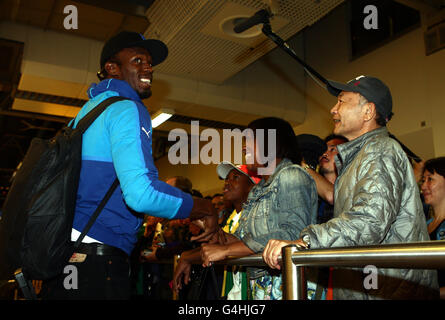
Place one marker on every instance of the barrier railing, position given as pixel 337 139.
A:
pixel 418 255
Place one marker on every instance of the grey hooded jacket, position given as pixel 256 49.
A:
pixel 376 201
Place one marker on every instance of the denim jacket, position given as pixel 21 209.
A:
pixel 279 208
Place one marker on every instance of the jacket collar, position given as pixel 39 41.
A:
pixel 284 163
pixel 347 151
pixel 120 86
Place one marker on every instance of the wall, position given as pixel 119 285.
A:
pixel 64 64
pixel 416 82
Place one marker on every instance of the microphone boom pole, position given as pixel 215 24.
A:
pixel 262 16
pixel 267 30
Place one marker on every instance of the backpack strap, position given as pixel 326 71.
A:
pixel 82 126
pixel 92 115
pixel 96 213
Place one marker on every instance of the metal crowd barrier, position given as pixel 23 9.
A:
pixel 418 255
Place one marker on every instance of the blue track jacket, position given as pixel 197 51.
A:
pixel 119 143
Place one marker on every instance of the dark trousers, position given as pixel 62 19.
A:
pixel 98 277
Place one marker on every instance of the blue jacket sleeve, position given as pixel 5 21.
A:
pixel 129 129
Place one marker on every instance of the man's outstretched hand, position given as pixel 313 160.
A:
pixel 204 210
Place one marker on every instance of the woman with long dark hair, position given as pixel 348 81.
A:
pixel 278 207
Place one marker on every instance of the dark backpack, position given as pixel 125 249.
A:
pixel 37 218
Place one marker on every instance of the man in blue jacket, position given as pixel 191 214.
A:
pixel 118 144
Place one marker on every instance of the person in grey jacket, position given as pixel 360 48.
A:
pixel 376 198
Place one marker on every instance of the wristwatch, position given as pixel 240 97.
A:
pixel 307 240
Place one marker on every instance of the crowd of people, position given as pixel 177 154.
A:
pixel 297 205
pixel 355 187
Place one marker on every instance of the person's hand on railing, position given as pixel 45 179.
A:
pixel 213 252
pixel 182 275
pixel 217 252
pixel 272 251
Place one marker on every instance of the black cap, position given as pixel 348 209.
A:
pixel 373 89
pixel 126 39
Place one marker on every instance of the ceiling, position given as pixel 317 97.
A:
pixel 199 33
pixel 201 49
pixel 198 46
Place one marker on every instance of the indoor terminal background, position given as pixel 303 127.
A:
pixel 222 79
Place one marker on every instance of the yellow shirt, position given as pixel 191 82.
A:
pixel 230 227
pixel 232 222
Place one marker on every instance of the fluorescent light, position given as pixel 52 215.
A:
pixel 161 116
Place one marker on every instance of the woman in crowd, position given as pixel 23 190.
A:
pixel 433 190
pixel 238 182
pixel 280 205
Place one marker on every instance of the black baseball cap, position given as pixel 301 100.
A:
pixel 126 39
pixel 373 89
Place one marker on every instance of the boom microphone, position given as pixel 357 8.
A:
pixel 259 17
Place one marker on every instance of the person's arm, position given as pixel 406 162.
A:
pixel 217 252
pixel 150 257
pixel 204 210
pixel 442 292
pixel 194 256
pixel 183 268
pixel 181 275
pixel 134 165
pixel 138 176
pixel 325 188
